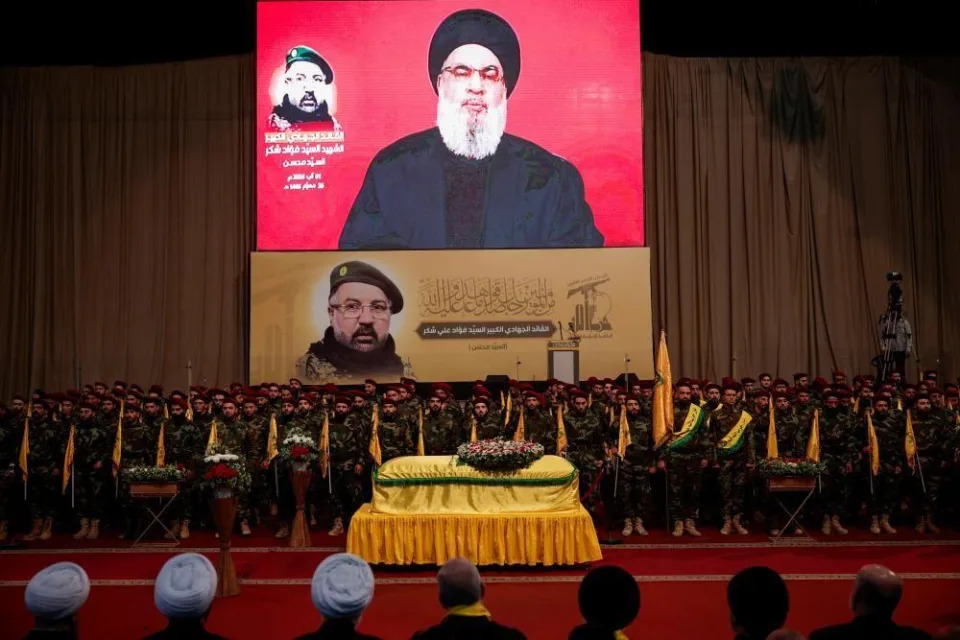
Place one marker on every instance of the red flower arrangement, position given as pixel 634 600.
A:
pixel 220 471
pixel 299 453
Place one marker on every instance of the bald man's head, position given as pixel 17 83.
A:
pixel 459 583
pixel 877 591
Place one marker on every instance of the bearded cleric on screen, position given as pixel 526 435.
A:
pixel 465 183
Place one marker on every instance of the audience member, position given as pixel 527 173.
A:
pixel 758 601
pixel 876 594
pixel 53 597
pixel 341 589
pixel 461 593
pixel 609 601
pixel 785 634
pixel 184 592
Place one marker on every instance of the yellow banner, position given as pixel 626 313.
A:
pixel 447 315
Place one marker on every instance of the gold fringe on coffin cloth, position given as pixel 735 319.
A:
pixel 544 538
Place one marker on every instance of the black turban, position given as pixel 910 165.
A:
pixel 476 26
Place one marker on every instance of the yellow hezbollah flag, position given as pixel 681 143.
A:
pixel 624 440
pixel 25 445
pixel 189 413
pixel 374 448
pixel 662 395
pixel 420 447
pixel 68 459
pixel 272 449
pixel 325 445
pixel 118 443
pixel 166 411
pixel 506 413
pixel 772 450
pixel 874 444
pixel 813 444
pixel 520 433
pixel 473 428
pixel 212 438
pixel 162 444
pixel 910 442
pixel 561 431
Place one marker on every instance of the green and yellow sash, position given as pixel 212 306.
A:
pixel 689 429
pixel 733 441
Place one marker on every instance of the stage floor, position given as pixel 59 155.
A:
pixel 673 573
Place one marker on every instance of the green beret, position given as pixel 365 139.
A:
pixel 356 271
pixel 306 54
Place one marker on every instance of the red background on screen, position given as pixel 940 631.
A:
pixel 578 96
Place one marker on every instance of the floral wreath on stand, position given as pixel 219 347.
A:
pixel 152 475
pixel 789 467
pixel 299 450
pixel 224 470
pixel 498 454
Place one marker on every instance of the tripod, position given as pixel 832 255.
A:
pixel 891 321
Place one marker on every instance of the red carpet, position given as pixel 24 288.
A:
pixel 675 577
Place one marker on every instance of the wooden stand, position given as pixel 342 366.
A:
pixel 224 509
pixel 300 533
pixel 163 492
pixel 792 484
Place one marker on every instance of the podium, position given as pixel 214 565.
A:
pixel 563 360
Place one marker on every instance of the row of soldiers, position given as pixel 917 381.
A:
pixel 719 432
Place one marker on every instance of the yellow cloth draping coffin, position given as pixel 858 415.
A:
pixel 429 509
pixel 439 485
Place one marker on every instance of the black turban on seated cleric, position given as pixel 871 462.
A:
pixel 417 194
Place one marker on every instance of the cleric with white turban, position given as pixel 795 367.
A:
pixel 342 586
pixel 186 586
pixel 58 591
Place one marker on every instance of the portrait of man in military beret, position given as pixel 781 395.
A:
pixel 357 344
pixel 465 183
pixel 306 83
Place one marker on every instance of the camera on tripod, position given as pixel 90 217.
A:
pixel 895 292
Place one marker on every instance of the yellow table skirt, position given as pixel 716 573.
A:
pixel 437 485
pixel 544 538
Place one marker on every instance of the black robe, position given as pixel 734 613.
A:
pixel 533 199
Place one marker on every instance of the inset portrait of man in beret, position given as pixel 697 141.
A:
pixel 307 83
pixel 466 183
pixel 357 344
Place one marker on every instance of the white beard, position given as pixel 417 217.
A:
pixel 474 139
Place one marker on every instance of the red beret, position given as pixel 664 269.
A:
pixel 577 393
pixel 712 385
pixel 179 402
pixel 389 402
pixel 760 392
pixel 732 387
pixel 781 394
pixel 341 399
pixel 330 388
pixel 370 381
pixel 592 380
pixel 87 405
pixel 885 397
pixel 780 381
pixel 747 380
pixel 633 396
pixel 482 399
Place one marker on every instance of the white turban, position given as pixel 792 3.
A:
pixel 186 586
pixel 342 586
pixel 58 591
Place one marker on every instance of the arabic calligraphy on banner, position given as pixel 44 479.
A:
pixel 485 312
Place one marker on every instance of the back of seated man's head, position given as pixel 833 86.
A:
pixel 459 584
pixel 758 601
pixel 877 591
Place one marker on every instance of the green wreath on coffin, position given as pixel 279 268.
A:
pixel 498 454
pixel 151 474
pixel 789 467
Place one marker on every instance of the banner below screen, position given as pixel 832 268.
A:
pixel 447 315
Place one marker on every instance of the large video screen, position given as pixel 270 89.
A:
pixel 426 124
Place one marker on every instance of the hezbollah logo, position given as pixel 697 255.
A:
pixel 343 271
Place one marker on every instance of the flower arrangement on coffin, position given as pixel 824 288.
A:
pixel 498 454
pixel 789 467
pixel 299 450
pixel 152 475
pixel 225 474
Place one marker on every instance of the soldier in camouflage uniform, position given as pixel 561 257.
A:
pixel 538 425
pixel 139 449
pixel 686 457
pixel 11 436
pixel 890 429
pixel 840 448
pixel 256 433
pixel 636 467
pixel 445 392
pixel 396 433
pixel 347 450
pixel 932 433
pixel 736 457
pixel 45 466
pixel 441 430
pixel 185 445
pixel 585 446
pixel 487 422
pixel 232 435
pixel 790 444
pixel 279 477
pixel 92 467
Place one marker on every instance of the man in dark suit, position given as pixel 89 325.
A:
pixel 461 594
pixel 465 183
pixel 876 595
